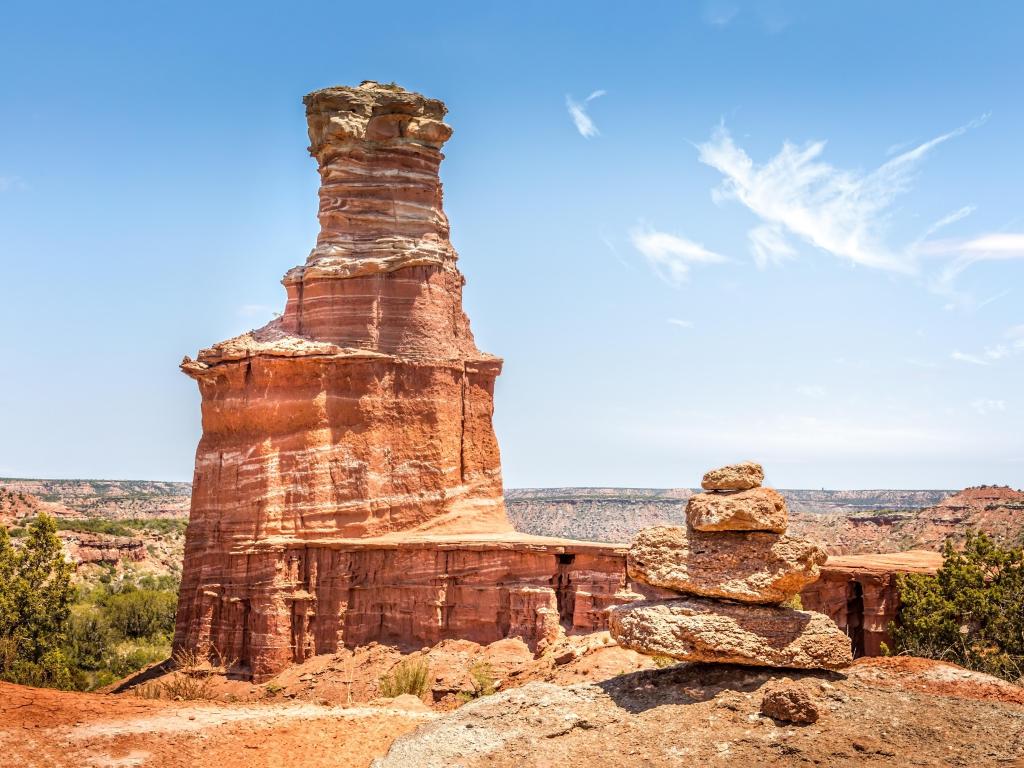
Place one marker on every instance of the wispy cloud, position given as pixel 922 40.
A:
pixel 681 323
pixel 719 13
pixel 769 245
pixel 964 357
pixel 984 406
pixel 11 182
pixel 1011 344
pixel 799 195
pixel 671 256
pixel 578 112
pixel 997 246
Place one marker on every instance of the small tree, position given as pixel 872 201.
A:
pixel 35 603
pixel 971 612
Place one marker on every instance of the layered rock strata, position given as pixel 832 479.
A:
pixel 348 481
pixel 728 582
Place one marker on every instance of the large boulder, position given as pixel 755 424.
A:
pixel 694 629
pixel 749 567
pixel 756 509
pixel 735 477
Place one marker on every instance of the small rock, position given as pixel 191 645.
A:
pixel 789 703
pixel 565 657
pixel 734 477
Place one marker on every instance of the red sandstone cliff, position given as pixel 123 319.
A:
pixel 348 482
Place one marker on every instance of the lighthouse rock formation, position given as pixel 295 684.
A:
pixel 348 481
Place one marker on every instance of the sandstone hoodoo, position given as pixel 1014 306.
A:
pixel 730 568
pixel 348 482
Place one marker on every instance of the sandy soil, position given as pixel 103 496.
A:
pixel 53 728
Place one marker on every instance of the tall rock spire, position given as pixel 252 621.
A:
pixel 348 483
pixel 365 410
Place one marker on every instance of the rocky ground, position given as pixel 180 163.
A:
pixel 352 677
pixel 881 712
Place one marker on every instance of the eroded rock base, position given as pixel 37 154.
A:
pixel 268 608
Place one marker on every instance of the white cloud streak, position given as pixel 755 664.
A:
pixel 578 112
pixel 1012 345
pixel 984 406
pixel 720 13
pixel 796 193
pixel 680 323
pixel 964 357
pixel 670 256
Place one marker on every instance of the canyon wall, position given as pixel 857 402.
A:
pixel 347 484
pixel 860 594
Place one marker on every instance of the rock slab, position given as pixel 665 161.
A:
pixel 748 567
pixel 694 629
pixel 734 477
pixel 756 509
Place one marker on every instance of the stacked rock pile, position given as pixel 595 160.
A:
pixel 719 583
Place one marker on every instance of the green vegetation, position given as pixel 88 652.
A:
pixel 409 676
pixel 794 602
pixel 191 680
pixel 970 613
pixel 129 527
pixel 35 603
pixel 54 635
pixel 119 627
pixel 482 679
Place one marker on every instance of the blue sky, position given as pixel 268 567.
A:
pixel 696 232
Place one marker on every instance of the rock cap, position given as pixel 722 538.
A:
pixel 376 113
pixel 734 477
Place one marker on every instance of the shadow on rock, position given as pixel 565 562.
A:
pixel 693 683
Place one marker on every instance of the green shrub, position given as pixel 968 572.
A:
pixel 140 613
pixel 971 612
pixel 409 676
pixel 482 680
pixel 35 603
pixel 794 602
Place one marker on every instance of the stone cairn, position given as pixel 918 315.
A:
pixel 718 584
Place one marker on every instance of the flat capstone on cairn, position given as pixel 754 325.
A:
pixel 719 583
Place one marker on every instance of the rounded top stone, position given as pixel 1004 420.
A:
pixel 734 477
pixel 374 112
